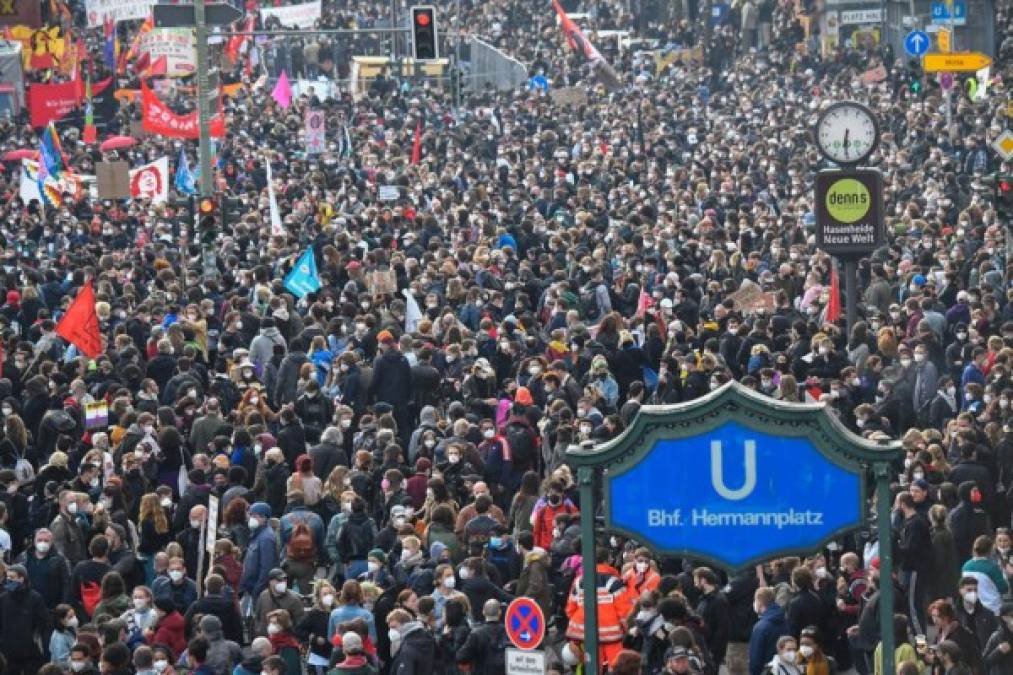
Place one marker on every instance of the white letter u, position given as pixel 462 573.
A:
pixel 717 477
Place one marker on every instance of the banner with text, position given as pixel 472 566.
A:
pixel 177 45
pixel 117 10
pixel 50 102
pixel 161 120
pixel 293 16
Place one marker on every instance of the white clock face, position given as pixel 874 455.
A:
pixel 846 134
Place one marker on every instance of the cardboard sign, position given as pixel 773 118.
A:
pixel 382 282
pixel 574 96
pixel 873 75
pixel 389 193
pixel 751 297
pixel 113 180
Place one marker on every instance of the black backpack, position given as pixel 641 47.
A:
pixel 495 663
pixel 522 444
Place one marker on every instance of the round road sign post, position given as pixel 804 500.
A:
pixel 525 623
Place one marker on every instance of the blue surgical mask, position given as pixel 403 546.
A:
pixel 495 542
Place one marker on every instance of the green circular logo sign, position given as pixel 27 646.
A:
pixel 848 200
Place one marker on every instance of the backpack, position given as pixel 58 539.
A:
pixel 355 541
pixel 91 595
pixel 301 546
pixel 522 444
pixel 589 308
pixel 495 662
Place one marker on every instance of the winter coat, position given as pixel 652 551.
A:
pixel 484 648
pixel 392 379
pixel 260 558
pixel 417 655
pixel 771 625
pixel 24 623
pixel 967 521
pixel 533 581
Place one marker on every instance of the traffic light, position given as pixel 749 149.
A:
pixel 424 44
pixel 1004 195
pixel 915 76
pixel 207 219
pixel 455 85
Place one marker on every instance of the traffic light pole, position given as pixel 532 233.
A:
pixel 203 118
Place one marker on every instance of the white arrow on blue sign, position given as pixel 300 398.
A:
pixel 916 43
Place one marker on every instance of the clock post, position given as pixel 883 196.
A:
pixel 849 199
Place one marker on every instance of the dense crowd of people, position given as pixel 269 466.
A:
pixel 384 481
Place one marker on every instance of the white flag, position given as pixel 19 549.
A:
pixel 412 315
pixel 276 229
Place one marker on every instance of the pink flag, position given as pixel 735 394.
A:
pixel 282 92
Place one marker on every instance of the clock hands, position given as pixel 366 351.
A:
pixel 847 132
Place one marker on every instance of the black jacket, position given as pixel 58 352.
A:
pixel 392 379
pixel 981 623
pixel 914 549
pixel 485 648
pixel 997 663
pixel 967 521
pixel 50 574
pixel 716 614
pixel 417 655
pixel 224 608
pixel 24 623
pixel 808 609
pixel 325 457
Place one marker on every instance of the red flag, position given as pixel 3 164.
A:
pixel 834 303
pixel 417 145
pixel 79 326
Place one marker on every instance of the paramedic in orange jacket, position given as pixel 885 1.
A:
pixel 613 608
pixel 641 575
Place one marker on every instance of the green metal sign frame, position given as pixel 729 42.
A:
pixel 737 403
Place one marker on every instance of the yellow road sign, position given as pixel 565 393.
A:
pixel 963 62
pixel 943 40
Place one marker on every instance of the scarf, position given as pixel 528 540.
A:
pixel 283 639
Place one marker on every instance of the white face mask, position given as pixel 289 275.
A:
pixel 449 582
pixel 42 547
pixel 160 665
pixel 281 587
pixel 166 502
pixel 641 567
pixel 806 651
pixel 253 523
pixel 327 600
pixel 971 597
pixel 273 629
pixel 453 459
pixel 195 524
pixel 176 575
pixel 788 656
pixel 373 566
pixel 140 604
pixel 489 433
pixel 73 623
pixel 72 508
pixel 394 634
pixel 78 666
pixel 464 573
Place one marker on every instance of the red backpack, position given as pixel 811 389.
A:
pixel 91 595
pixel 301 545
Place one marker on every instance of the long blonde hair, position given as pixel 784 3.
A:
pixel 151 509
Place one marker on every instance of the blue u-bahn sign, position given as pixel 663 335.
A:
pixel 735 478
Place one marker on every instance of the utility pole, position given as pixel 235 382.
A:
pixel 203 118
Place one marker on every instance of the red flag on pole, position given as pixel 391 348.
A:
pixel 417 144
pixel 79 326
pixel 834 303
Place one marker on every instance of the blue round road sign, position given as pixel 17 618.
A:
pixel 916 43
pixel 525 623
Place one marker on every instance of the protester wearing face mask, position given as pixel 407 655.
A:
pixel 64 636
pixel 176 586
pixel 261 554
pixel 642 575
pixel 276 596
pixel 168 628
pixel 411 647
pixel 544 515
pixel 997 654
pixel 284 643
pixel 218 601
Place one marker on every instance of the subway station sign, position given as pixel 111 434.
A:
pixel 849 211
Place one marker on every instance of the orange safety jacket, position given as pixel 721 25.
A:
pixel 613 606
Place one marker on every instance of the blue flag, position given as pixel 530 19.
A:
pixel 303 278
pixel 185 182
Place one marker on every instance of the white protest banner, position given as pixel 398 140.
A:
pixel 293 16
pixel 151 181
pixel 117 10
pixel 177 45
pixel 212 528
pixel 316 134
